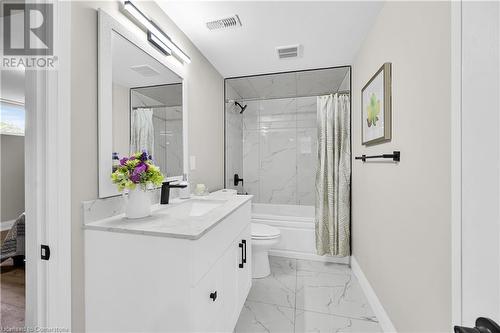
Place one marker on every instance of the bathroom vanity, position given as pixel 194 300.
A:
pixel 186 268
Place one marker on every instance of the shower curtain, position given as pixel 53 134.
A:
pixel 142 136
pixel 333 176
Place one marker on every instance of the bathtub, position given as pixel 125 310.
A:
pixel 296 224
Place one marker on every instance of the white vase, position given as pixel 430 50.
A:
pixel 138 204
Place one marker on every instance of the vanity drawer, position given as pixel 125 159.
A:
pixel 211 246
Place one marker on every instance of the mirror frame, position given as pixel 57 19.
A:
pixel 106 26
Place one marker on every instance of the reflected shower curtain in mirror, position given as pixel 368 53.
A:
pixel 142 136
pixel 333 176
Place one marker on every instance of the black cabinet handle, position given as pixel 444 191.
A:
pixel 213 296
pixel 244 242
pixel 241 264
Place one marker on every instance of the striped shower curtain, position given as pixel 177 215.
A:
pixel 333 176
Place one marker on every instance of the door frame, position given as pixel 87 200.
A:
pixel 48 183
pixel 456 163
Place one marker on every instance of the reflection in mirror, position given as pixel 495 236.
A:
pixel 159 109
pixel 147 107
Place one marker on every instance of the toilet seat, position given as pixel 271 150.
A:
pixel 264 231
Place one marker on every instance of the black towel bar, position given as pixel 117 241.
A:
pixel 395 156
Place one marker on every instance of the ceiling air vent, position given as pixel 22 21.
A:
pixel 291 51
pixel 145 70
pixel 228 22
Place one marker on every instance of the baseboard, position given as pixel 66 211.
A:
pixel 308 256
pixel 378 309
pixel 6 225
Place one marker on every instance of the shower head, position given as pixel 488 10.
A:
pixel 241 107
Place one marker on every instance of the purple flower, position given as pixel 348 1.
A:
pixel 141 167
pixel 123 161
pixel 138 170
pixel 144 156
pixel 135 178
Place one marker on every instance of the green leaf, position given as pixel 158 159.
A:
pixel 373 110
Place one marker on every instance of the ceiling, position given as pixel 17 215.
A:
pixel 330 33
pixel 167 95
pixel 127 55
pixel 286 85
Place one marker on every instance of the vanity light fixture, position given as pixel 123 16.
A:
pixel 158 43
pixel 155 35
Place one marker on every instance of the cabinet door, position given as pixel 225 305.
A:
pixel 236 281
pixel 229 290
pixel 231 278
pixel 245 272
pixel 207 298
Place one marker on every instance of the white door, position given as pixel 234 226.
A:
pixel 480 149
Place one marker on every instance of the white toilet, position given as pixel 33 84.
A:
pixel 263 238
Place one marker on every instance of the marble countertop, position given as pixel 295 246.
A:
pixel 173 220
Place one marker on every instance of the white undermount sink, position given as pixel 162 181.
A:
pixel 194 207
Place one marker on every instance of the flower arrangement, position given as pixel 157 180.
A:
pixel 137 169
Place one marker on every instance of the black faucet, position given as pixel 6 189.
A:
pixel 165 191
pixel 237 180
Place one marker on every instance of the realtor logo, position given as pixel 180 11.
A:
pixel 28 29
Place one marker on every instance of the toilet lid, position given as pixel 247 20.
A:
pixel 264 231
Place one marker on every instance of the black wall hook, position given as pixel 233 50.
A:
pixel 395 156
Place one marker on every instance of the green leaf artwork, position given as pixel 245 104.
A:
pixel 373 110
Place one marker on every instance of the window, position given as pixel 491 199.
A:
pixel 11 118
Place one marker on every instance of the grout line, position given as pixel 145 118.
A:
pixel 321 313
pixel 343 316
pixel 267 303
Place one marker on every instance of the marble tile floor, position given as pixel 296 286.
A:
pixel 307 296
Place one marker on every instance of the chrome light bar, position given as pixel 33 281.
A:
pixel 155 35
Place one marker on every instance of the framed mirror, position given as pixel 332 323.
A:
pixel 141 104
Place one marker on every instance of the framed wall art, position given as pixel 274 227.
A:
pixel 376 110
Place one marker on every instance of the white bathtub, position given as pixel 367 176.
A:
pixel 296 224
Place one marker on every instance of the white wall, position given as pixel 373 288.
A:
pixel 480 161
pixel 205 105
pixel 12 176
pixel 401 213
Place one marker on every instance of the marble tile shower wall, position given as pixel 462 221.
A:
pixel 279 150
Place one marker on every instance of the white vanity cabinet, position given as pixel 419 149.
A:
pixel 154 283
pixel 220 295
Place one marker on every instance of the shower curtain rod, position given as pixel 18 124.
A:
pixel 270 98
